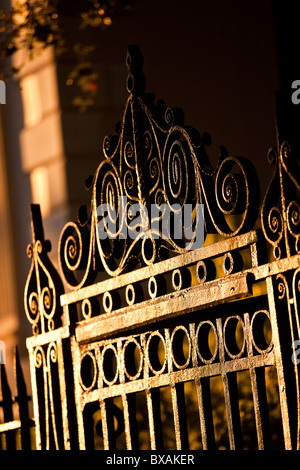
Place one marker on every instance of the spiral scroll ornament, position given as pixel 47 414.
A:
pixel 236 185
pixel 40 302
pixel 280 215
pixel 293 223
pixel 154 168
pixel 43 286
pixel 75 254
pixel 176 173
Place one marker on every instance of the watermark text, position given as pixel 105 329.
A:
pixel 296 352
pixel 2 92
pixel 125 220
pixel 296 94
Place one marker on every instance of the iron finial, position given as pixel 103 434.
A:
pixel 136 82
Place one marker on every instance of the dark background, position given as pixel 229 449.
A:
pixel 222 62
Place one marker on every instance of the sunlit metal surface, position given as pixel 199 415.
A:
pixel 131 354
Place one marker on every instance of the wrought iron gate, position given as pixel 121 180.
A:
pixel 156 345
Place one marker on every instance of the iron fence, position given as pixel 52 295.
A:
pixel 145 343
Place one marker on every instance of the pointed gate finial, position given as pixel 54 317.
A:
pixel 136 81
pixel 43 286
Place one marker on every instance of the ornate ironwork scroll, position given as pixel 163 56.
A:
pixel 43 286
pixel 135 329
pixel 280 215
pixel 153 168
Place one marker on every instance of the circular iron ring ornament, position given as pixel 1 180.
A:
pixel 86 309
pixel 179 358
pixel 148 250
pixel 132 366
pixel 205 271
pixel 177 281
pixel 130 294
pixel 233 349
pixel 107 302
pixel 109 365
pixel 232 262
pixel 88 371
pixel 152 287
pixel 203 348
pixel 261 342
pixel 154 361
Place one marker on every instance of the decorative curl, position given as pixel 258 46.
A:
pixel 293 218
pixel 272 156
pixel 235 186
pixel 73 253
pixel 285 150
pixel 129 155
pixel 230 187
pixel 52 353
pixel 282 287
pixel 39 357
pixel 175 174
pixel 154 160
pixel 43 285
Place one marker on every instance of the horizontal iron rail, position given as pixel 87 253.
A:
pixel 209 251
pixel 166 306
pixel 196 297
pixel 179 376
pixel 16 424
pixel 199 296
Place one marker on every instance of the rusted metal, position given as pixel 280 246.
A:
pixel 156 161
pixel 280 213
pixel 147 318
pixel 43 286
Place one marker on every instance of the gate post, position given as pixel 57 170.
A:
pixel 283 333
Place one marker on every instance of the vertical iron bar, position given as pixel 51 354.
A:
pixel 179 413
pixel 104 425
pixel 35 402
pixel 22 400
pixel 204 399
pixel 63 395
pixel 129 407
pixel 75 357
pixel 109 405
pixel 127 422
pixel 151 419
pixel 232 410
pixel 205 413
pixel 285 410
pixel 230 397
pixel 155 426
pixel 258 386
